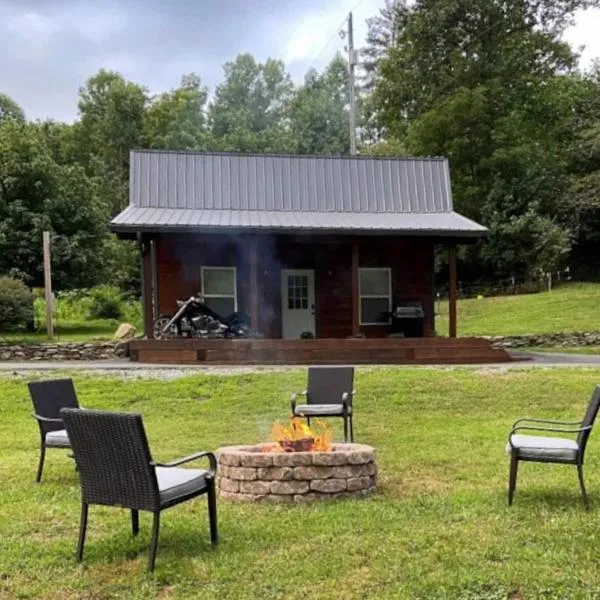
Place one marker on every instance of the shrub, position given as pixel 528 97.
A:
pixel 16 305
pixel 106 302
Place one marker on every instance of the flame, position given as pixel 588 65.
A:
pixel 299 437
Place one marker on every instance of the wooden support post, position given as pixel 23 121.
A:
pixel 48 284
pixel 144 298
pixel 253 258
pixel 452 291
pixel 154 280
pixel 355 290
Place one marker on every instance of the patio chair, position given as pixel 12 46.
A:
pixel 48 398
pixel 329 393
pixel 116 469
pixel 560 450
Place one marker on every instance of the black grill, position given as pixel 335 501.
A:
pixel 408 319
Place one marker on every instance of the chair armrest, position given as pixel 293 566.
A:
pixel 546 429
pixel 294 397
pixel 180 461
pixel 46 419
pixel 549 421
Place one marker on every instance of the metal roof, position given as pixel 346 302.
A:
pixel 183 190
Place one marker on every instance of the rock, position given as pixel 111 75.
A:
pixel 358 483
pixel 329 486
pixel 256 459
pixel 125 331
pixel 276 473
pixel 239 473
pixel 289 487
pixel 292 459
pixel 313 472
pixel 229 485
pixel 255 487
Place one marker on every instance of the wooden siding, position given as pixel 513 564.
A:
pixel 181 256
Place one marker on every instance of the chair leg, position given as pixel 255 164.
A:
pixel 154 543
pixel 586 501
pixel 308 421
pixel 512 479
pixel 41 464
pixel 212 512
pixel 345 428
pixel 82 530
pixel 135 521
pixel 351 430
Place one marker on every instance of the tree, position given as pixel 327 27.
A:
pixel 38 194
pixel 9 109
pixel 112 112
pixel 319 120
pixel 177 119
pixel 248 113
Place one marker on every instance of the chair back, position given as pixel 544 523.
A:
pixel 327 384
pixel 49 397
pixel 113 458
pixel 588 420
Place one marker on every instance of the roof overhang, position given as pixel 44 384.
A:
pixel 176 220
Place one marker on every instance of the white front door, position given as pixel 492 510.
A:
pixel 297 302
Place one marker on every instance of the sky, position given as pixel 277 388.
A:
pixel 48 48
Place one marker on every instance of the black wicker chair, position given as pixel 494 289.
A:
pixel 48 398
pixel 329 393
pixel 116 469
pixel 560 450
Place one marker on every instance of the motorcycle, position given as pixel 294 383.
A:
pixel 195 319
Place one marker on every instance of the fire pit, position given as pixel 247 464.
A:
pixel 300 466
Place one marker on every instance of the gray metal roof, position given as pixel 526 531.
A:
pixel 198 190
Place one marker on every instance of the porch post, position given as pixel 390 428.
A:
pixel 144 298
pixel 452 291
pixel 355 290
pixel 253 257
pixel 153 280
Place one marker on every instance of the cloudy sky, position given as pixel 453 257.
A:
pixel 49 47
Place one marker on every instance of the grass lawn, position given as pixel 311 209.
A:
pixel 572 307
pixel 567 349
pixel 438 528
pixel 68 331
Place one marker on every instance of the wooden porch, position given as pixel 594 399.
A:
pixel 393 351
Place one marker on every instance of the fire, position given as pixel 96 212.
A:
pixel 299 437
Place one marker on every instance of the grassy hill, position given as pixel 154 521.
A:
pixel 572 307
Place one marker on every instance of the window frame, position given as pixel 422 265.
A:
pixel 235 285
pixel 361 295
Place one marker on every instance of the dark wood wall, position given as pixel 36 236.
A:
pixel 180 257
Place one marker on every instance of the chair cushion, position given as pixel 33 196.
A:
pixel 58 439
pixel 174 482
pixel 537 447
pixel 323 410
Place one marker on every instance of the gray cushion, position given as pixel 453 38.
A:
pixel 175 483
pixel 315 410
pixel 58 439
pixel 534 446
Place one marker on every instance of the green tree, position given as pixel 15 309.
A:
pixel 318 112
pixel 39 194
pixel 177 119
pixel 248 112
pixel 9 109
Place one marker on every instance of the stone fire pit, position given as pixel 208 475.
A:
pixel 256 473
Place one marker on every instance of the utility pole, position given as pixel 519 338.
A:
pixel 352 60
pixel 48 283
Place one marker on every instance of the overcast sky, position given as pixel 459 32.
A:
pixel 48 48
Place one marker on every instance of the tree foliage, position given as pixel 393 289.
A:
pixel 9 109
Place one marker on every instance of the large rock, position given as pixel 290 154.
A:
pixel 126 331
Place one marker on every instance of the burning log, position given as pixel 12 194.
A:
pixel 299 437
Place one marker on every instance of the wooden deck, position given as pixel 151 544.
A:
pixel 406 351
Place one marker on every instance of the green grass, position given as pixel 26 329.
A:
pixel 439 527
pixel 74 331
pixel 572 307
pixel 566 349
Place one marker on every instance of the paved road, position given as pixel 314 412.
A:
pixel 535 359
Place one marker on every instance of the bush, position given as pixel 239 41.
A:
pixel 106 302
pixel 16 305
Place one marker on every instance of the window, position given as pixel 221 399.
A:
pixel 219 289
pixel 297 292
pixel 375 289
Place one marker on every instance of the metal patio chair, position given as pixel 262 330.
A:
pixel 48 398
pixel 559 450
pixel 116 469
pixel 329 393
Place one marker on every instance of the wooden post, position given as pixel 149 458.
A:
pixel 452 291
pixel 140 241
pixel 48 284
pixel 253 258
pixel 153 281
pixel 355 290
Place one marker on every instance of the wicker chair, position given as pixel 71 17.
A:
pixel 48 398
pixel 116 469
pixel 329 393
pixel 560 450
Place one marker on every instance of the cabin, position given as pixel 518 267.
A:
pixel 313 249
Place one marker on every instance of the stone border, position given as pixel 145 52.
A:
pixel 547 340
pixel 63 351
pixel 246 473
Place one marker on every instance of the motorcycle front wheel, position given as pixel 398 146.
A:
pixel 159 326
